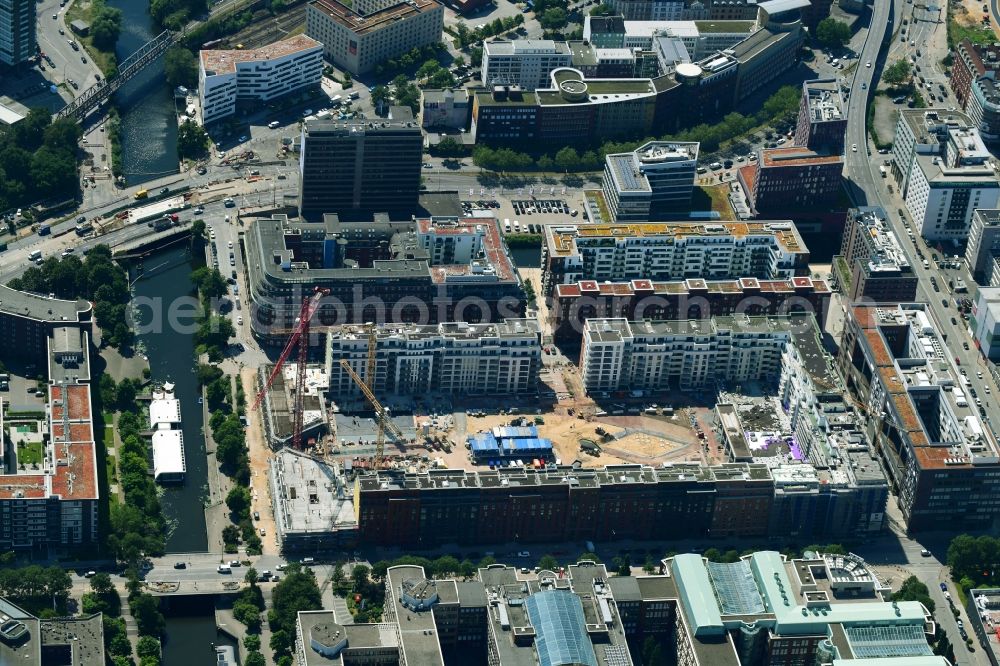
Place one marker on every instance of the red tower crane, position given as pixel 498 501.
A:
pixel 300 335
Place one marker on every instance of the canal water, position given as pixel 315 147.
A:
pixel 164 283
pixel 146 104
pixel 191 633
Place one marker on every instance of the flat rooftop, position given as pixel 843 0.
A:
pixel 926 124
pixel 690 286
pixel 217 62
pixel 886 252
pixel 525 47
pixel 825 101
pixel 417 629
pixel 310 495
pixel 41 308
pixel 795 156
pixel 361 24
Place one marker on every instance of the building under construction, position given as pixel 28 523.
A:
pixel 277 405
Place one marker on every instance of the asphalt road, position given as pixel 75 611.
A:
pixel 67 62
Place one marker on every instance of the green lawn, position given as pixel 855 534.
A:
pixel 81 9
pixel 29 453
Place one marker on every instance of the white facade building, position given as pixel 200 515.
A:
pixel 644 184
pixel 525 62
pixel 256 75
pixel 986 322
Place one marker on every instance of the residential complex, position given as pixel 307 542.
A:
pixel 944 171
pixel 973 78
pixel 983 247
pixel 451 358
pixel 942 462
pixel 48 491
pixel 359 167
pixel 649 182
pixel 27 321
pixel 256 76
pixel 573 304
pixel 18 41
pixel 360 37
pixel 671 251
pixel 418 270
pixel 878 270
pixel 311 501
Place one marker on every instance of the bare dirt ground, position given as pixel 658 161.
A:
pixel 260 457
pixel 968 13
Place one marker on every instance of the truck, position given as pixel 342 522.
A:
pixel 141 194
pixel 354 95
pixel 960 286
pixel 336 100
pixel 165 222
pixel 883 171
pixel 35 255
pixel 44 230
pixel 83 228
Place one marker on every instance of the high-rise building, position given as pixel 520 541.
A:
pixel 974 80
pixel 822 120
pixel 878 269
pixel 650 181
pixel 983 248
pixel 17 31
pixel 358 167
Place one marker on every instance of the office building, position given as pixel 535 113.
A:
pixel 822 121
pixel 694 298
pixel 357 40
pixel 27 320
pixel 451 358
pixel 359 167
pixel 671 251
pixel 650 181
pixel 425 270
pixel 973 78
pixel 449 109
pixel 256 76
pixel 526 63
pixel 28 640
pixel 700 38
pixel 821 609
pixel 18 41
pixel 983 248
pixel 942 462
pixel 49 494
pixel 985 322
pixel 944 172
pixel 877 267
pixel 787 180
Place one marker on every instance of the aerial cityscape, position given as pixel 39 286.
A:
pixel 499 333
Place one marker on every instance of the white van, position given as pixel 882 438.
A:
pixel 225 569
pixel 926 264
pixel 35 256
pixel 273 124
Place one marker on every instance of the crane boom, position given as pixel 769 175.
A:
pixel 380 411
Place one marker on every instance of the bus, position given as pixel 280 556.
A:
pixel 142 194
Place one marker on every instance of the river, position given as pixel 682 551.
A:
pixel 146 104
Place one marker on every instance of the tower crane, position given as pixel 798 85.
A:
pixel 382 419
pixel 300 336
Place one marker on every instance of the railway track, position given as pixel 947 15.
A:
pixel 268 28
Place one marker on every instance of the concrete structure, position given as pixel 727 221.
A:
pixel 256 76
pixel 822 122
pixel 526 63
pixel 985 322
pixel 982 605
pixel 620 355
pixel 423 270
pixel 357 39
pixel 694 298
pixel 276 409
pixel 312 502
pixel 18 41
pixel 878 269
pixel 786 180
pixel 51 502
pixel 649 182
pixel 671 251
pixel 453 358
pixel 700 38
pixel 321 641
pixel 27 320
pixel 973 78
pixel 983 248
pixel 944 172
pixel 30 641
pixel 942 462
pixel 449 109
pixel 359 167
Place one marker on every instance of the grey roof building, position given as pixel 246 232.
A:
pixel 29 641
pixel 28 319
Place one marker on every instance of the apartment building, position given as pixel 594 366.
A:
pixel 452 358
pixel 256 76
pixel 822 121
pixel 18 41
pixel 694 298
pixel 671 251
pixel 944 172
pixel 526 63
pixel 647 355
pixel 878 269
pixel 379 270
pixel 983 248
pixel 973 78
pixel 357 39
pixel 359 167
pixel 649 182
pixel 27 321
pixel 942 462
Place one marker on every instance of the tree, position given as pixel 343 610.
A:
pixel 148 646
pixel 554 19
pixel 833 33
pixel 255 658
pixel 898 73
pixel 209 282
pixel 251 577
pixel 180 67
pixel 359 577
pixel 247 613
pixel 251 642
pixel 105 25
pixel 914 590
pixel 602 10
pixel 567 159
pixel 548 563
pixel 192 140
pixel 296 592
pixel 146 611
